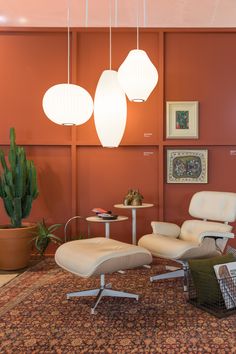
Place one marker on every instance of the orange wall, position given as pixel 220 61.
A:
pixel 75 174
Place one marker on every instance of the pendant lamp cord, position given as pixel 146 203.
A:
pixel 110 51
pixel 86 13
pixel 137 24
pixel 144 14
pixel 116 13
pixel 68 41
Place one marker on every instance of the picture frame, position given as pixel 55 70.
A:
pixel 187 166
pixel 182 120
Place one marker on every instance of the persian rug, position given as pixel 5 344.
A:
pixel 35 316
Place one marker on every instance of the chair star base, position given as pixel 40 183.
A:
pixel 174 274
pixel 104 290
pixel 178 273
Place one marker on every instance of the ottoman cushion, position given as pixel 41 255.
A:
pixel 100 255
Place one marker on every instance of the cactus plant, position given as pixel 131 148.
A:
pixel 18 183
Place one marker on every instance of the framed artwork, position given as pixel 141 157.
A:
pixel 187 166
pixel 182 120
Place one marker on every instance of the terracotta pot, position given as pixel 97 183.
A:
pixel 15 246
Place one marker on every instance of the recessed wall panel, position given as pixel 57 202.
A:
pixel 31 62
pixel 54 183
pixel 105 175
pixel 200 66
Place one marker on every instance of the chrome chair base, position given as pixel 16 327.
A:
pixel 104 290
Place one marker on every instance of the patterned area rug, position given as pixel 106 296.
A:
pixel 37 318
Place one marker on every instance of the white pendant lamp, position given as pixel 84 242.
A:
pixel 67 104
pixel 137 75
pixel 110 107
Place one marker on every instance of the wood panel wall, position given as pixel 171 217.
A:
pixel 75 173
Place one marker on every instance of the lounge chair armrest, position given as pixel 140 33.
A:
pixel 216 234
pixel 165 228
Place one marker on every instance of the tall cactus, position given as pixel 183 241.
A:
pixel 18 182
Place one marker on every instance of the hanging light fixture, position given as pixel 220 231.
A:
pixel 110 106
pixel 68 104
pixel 137 74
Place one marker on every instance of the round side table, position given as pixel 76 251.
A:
pixel 134 208
pixel 106 222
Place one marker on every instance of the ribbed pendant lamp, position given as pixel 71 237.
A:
pixel 137 75
pixel 110 106
pixel 68 104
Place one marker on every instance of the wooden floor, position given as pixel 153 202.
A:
pixel 6 276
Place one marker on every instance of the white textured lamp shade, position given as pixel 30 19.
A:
pixel 67 104
pixel 110 109
pixel 137 75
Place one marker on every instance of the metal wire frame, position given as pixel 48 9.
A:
pixel 68 222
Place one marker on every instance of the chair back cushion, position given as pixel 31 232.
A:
pixel 217 206
pixel 191 229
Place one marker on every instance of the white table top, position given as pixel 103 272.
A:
pixel 144 205
pixel 97 219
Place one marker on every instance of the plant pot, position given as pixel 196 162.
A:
pixel 15 246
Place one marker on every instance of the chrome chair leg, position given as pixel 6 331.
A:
pixel 104 290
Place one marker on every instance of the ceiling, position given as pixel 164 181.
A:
pixel 95 13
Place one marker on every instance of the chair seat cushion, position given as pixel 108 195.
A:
pixel 165 247
pixel 100 255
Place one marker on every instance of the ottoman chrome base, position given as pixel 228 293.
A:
pixel 104 290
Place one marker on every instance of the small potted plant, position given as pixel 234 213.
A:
pixel 44 235
pixel 18 189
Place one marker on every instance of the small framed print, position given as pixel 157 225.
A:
pixel 182 120
pixel 187 166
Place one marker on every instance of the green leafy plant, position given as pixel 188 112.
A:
pixel 44 235
pixel 18 183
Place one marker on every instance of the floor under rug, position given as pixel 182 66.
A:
pixel 37 318
pixel 8 275
pixel 5 277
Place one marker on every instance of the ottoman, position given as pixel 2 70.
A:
pixel 99 256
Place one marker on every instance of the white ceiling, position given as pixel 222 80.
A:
pixel 153 13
